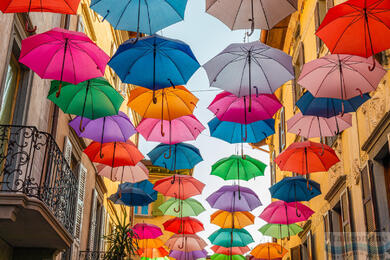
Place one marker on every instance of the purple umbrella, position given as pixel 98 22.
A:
pixel 234 198
pixel 193 255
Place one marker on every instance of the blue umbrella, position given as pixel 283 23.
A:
pixel 235 133
pixel 131 196
pixel 144 185
pixel 154 62
pixel 292 189
pixel 184 156
pixel 143 16
pixel 329 107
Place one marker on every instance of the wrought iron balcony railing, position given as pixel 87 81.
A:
pixel 32 163
pixel 91 255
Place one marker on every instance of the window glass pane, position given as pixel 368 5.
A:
pixel 365 184
pixel 145 210
pixel 9 92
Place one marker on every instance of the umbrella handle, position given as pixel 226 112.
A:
pixel 257 91
pixel 27 27
pixel 170 153
pixel 360 91
pixel 104 18
pixel 177 210
pixel 322 150
pixel 281 243
pixel 173 180
pixel 162 128
pixel 154 94
pixel 309 187
pixel 81 128
pixel 373 63
pixel 296 211
pixel 100 152
pixel 59 90
pixel 172 85
pixel 182 244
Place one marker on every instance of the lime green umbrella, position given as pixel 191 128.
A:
pixel 182 208
pixel 231 237
pixel 92 99
pixel 156 258
pixel 280 231
pixel 237 168
pixel 227 257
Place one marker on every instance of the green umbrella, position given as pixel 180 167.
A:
pixel 237 168
pixel 93 98
pixel 227 257
pixel 280 231
pixel 156 258
pixel 182 208
pixel 231 237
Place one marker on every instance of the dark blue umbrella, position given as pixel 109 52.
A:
pixel 329 107
pixel 131 196
pixel 144 185
pixel 183 156
pixel 145 16
pixel 154 62
pixel 235 133
pixel 292 189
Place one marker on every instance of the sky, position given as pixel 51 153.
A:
pixel 207 36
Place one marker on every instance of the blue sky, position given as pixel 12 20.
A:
pixel 207 36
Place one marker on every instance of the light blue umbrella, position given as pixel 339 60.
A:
pixel 231 237
pixel 144 185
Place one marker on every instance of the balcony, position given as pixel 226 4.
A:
pixel 38 190
pixel 91 255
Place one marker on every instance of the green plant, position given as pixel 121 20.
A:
pixel 122 241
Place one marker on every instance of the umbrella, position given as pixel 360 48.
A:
pixel 154 62
pixel 185 225
pixel 145 185
pixel 227 257
pixel 184 128
pixel 306 157
pixel 280 231
pixel 128 173
pixel 176 156
pixel 153 252
pixel 230 250
pixel 250 14
pixel 147 231
pixel 315 126
pixel 140 16
pixel 226 219
pixel 228 107
pixel 234 198
pixel 260 67
pixel 192 255
pixel 228 237
pixel 239 133
pixel 328 107
pixel 357 27
pixel 131 197
pixel 237 168
pixel 179 186
pixel 81 99
pixel 150 243
pixel 268 251
pixel 340 76
pixel 292 189
pixel 182 208
pixel 155 258
pixel 63 55
pixel 281 212
pixel 186 243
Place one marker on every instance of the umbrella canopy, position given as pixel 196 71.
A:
pixel 286 213
pixel 292 189
pixel 63 55
pixel 234 198
pixel 268 251
pixel 306 157
pixel 262 69
pixel 53 6
pixel 185 225
pixel 156 258
pixel 114 154
pixel 182 208
pixel 145 185
pixel 227 257
pixel 153 252
pixel 247 14
pixel 230 250
pixel 131 197
pixel 147 231
pixel 192 255
pixel 237 168
pixel 186 243
pixel 176 156
pixel 315 126
pixel 128 173
pixel 280 231
pixel 154 62
pixel 228 237
pixel 179 186
pixel 340 76
pixel 357 27
pixel 150 243
pixel 239 133
pixel 329 107
pixel 226 219
pixel 228 107
pixel 140 16
pixel 181 129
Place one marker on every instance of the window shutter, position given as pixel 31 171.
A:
pixel 296 253
pixel 368 197
pixel 103 226
pixel 80 201
pixel 317 21
pixel 327 230
pixel 329 4
pixel 346 221
pixel 67 150
pixel 282 130
pixel 92 224
pixel 155 207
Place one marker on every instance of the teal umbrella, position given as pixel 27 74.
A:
pixel 231 237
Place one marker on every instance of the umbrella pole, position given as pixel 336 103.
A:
pixel 252 20
pixel 154 73
pixel 285 206
pixel 81 128
pixel 250 79
pixel 113 159
pixel 281 242
pixel 342 86
pixel 309 187
pixel 369 37
pixel 246 128
pixel 63 65
pixel 27 24
pixel 295 199
pixel 101 140
pixel 162 114
pixel 319 126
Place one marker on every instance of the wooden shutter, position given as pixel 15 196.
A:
pixel 155 207
pixel 346 222
pixel 297 71
pixel 317 21
pixel 103 228
pixel 67 150
pixel 282 130
pixel 295 253
pixel 368 196
pixel 80 201
pixel 92 224
pixel 327 231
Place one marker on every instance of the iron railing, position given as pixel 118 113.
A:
pixel 32 163
pixel 91 255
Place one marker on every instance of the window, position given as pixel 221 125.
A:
pixel 155 206
pixel 368 197
pixel 141 210
pixel 346 223
pixel 282 130
pixel 320 11
pixel 80 24
pixel 273 168
pixel 298 64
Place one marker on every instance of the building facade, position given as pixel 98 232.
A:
pixel 351 219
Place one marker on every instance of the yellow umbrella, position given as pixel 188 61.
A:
pixel 226 219
pixel 268 251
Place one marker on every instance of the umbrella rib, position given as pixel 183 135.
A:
pixel 322 81
pixel 265 15
pixel 238 11
pixel 277 61
pixel 266 78
pixel 124 10
pixel 51 60
pixel 364 77
pixel 174 9
pixel 82 50
pixel 379 20
pixel 73 64
pixel 355 20
pixel 107 96
pixel 174 63
pixel 147 9
pixel 135 61
pixel 70 7
pixel 227 64
pixel 75 94
pixel 242 76
pixel 40 45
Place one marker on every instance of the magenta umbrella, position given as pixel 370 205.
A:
pixel 63 55
pixel 228 107
pixel 185 128
pixel 147 231
pixel 128 173
pixel 286 213
pixel 340 76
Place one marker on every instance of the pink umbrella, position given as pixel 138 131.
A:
pixel 63 55
pixel 147 231
pixel 132 174
pixel 314 126
pixel 340 76
pixel 185 242
pixel 228 107
pixel 286 213
pixel 185 128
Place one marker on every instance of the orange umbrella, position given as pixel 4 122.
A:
pixel 152 252
pixel 268 251
pixel 230 250
pixel 225 219
pixel 150 243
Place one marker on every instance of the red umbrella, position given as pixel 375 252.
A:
pixel 358 27
pixel 185 225
pixel 230 250
pixel 179 186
